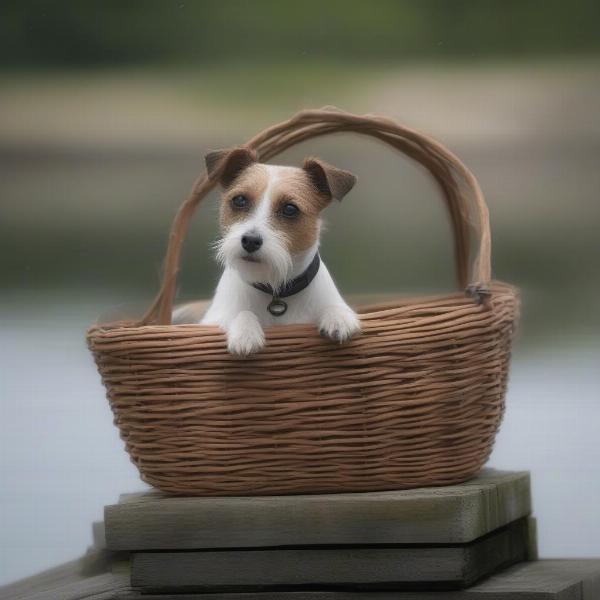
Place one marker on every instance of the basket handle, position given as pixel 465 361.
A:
pixel 461 192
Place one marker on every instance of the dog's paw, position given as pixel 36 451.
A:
pixel 245 335
pixel 339 323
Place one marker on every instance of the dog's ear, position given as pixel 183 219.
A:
pixel 329 180
pixel 226 165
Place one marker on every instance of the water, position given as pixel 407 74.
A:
pixel 61 459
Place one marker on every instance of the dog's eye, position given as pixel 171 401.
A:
pixel 289 210
pixel 239 201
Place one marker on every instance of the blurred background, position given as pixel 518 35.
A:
pixel 106 111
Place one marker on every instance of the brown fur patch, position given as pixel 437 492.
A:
pixel 293 185
pixel 328 179
pixel 228 164
pixel 251 183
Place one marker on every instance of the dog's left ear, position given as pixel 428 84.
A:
pixel 226 165
pixel 329 180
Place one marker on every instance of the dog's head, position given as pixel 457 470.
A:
pixel 270 215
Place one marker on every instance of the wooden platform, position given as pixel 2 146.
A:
pixel 440 537
pixel 539 580
pixel 89 578
pixel 439 515
pixel 375 567
pixel 371 546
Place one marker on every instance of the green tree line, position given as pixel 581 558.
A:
pixel 71 33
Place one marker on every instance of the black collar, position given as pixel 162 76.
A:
pixel 277 307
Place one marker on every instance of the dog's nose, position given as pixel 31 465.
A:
pixel 251 242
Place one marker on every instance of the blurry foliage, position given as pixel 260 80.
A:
pixel 113 32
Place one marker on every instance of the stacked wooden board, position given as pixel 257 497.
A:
pixel 434 538
pixel 474 541
pixel 539 580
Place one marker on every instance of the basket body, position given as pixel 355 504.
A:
pixel 415 400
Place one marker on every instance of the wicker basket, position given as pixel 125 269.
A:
pixel 415 400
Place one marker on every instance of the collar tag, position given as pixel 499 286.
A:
pixel 277 307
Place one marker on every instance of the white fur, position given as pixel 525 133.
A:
pixel 241 310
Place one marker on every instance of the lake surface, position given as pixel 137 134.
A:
pixel 61 459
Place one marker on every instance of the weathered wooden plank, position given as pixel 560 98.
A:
pixel 539 580
pixel 98 535
pixel 533 545
pixel 448 515
pixel 88 578
pixel 400 567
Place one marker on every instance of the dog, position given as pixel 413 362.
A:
pixel 270 218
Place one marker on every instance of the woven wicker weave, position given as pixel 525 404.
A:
pixel 415 400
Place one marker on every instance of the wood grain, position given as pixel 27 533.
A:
pixel 445 515
pixel 539 580
pixel 87 578
pixel 399 567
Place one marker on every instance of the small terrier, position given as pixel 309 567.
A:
pixel 270 225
